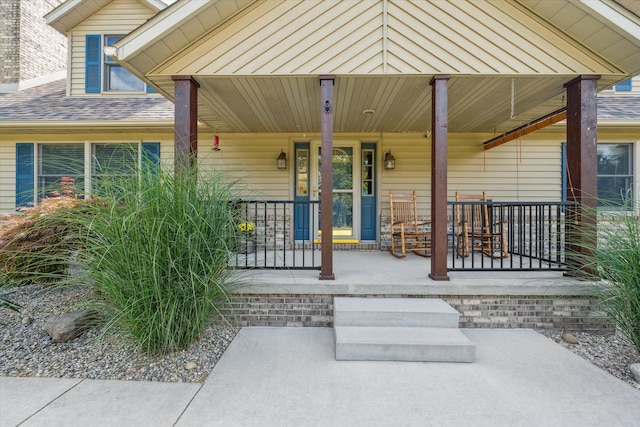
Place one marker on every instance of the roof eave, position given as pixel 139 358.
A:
pixel 39 126
pixel 55 17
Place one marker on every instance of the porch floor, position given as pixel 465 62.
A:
pixel 377 272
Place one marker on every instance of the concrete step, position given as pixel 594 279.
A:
pixel 401 343
pixel 420 312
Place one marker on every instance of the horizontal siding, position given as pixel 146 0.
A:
pixel 525 170
pixel 251 161
pixel 119 17
pixel 7 176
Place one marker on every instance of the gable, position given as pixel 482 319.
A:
pixel 72 12
pixel 384 37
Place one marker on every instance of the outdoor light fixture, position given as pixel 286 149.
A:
pixel 281 161
pixel 389 161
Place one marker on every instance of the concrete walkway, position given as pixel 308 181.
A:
pixel 289 377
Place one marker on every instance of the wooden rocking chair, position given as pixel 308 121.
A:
pixel 475 231
pixel 407 234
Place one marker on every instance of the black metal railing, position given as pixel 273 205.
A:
pixel 276 234
pixel 510 236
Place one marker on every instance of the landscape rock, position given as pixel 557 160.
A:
pixel 570 338
pixel 635 371
pixel 68 326
pixel 191 365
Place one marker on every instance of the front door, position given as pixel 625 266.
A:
pixel 354 191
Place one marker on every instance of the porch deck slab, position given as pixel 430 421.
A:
pixel 377 272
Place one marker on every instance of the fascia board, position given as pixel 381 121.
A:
pixel 163 23
pixel 83 124
pixel 60 12
pixel 612 14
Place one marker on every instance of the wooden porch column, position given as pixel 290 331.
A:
pixel 326 200
pixel 582 170
pixel 440 126
pixel 186 122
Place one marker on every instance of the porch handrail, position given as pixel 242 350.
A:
pixel 535 236
pixel 272 242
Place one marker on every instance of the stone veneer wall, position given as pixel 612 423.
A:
pixel 10 41
pixel 573 313
pixel 29 48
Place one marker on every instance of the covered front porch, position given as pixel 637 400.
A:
pixel 419 78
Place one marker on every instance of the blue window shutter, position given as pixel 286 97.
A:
pixel 624 86
pixel 93 55
pixel 151 89
pixel 24 174
pixel 151 153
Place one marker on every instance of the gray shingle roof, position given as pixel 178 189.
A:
pixel 48 102
pixel 619 107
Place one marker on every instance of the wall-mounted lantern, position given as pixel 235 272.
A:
pixel 281 161
pixel 389 161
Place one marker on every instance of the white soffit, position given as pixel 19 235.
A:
pixel 172 30
pixel 609 30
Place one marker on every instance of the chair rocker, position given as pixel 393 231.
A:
pixel 407 234
pixel 475 230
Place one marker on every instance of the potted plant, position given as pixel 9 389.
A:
pixel 246 239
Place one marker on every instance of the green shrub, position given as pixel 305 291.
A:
pixel 156 249
pixel 35 244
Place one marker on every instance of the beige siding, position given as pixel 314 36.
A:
pixel 251 160
pixel 119 17
pixel 525 170
pixel 7 176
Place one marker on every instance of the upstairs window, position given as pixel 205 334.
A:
pixel 116 78
pixel 103 74
pixel 624 86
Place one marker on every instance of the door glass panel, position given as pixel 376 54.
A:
pixel 367 172
pixel 342 190
pixel 302 172
pixel 342 214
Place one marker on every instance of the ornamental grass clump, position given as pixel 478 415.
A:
pixel 617 259
pixel 156 251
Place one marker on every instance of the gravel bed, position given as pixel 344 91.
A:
pixel 27 350
pixel 612 352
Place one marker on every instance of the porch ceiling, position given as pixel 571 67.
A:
pixel 258 62
pixel 400 103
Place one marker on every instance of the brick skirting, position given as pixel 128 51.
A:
pixel 573 313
